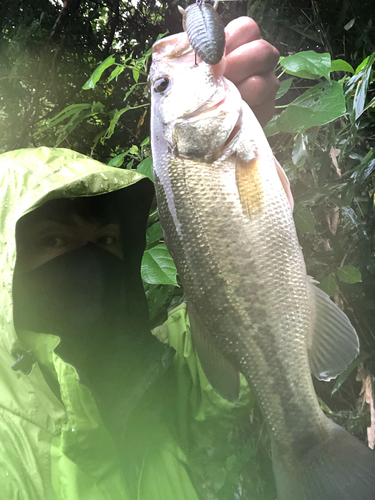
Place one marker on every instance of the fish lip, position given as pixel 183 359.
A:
pixel 206 107
pixel 233 136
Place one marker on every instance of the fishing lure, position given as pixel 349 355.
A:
pixel 205 30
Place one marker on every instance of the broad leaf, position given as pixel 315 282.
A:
pixel 304 220
pixel 154 233
pixel 307 64
pixel 158 267
pixel 118 160
pixel 319 105
pixel 341 65
pixel 349 274
pixel 329 285
pixel 156 297
pixel 284 87
pixel 145 167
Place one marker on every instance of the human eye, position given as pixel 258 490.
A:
pixel 108 240
pixel 53 241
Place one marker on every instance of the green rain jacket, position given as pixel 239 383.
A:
pixel 60 449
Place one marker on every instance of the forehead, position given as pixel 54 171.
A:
pixel 95 208
pixel 67 212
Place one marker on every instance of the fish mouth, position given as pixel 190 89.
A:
pixel 205 108
pixel 232 137
pixel 217 99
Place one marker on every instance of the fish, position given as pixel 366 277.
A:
pixel 205 30
pixel 253 309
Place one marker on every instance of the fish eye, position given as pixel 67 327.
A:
pixel 161 84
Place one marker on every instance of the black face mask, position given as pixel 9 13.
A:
pixel 87 296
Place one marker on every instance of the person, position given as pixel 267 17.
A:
pixel 94 407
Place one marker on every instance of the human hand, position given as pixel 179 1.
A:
pixel 250 61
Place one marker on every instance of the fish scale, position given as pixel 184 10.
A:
pixel 221 288
pixel 229 227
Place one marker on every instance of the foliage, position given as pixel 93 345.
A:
pixel 79 82
pixel 48 53
pixel 325 144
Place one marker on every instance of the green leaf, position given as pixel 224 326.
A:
pixel 76 119
pixel 362 65
pixel 349 274
pixel 71 110
pixel 154 233
pixel 158 267
pixel 156 298
pixel 136 74
pixel 341 65
pixel 323 406
pixel 127 94
pixel 118 160
pixel 307 64
pixel 146 141
pixel 115 73
pixel 95 77
pixel 145 167
pixel 304 220
pixel 329 285
pixel 349 24
pixel 284 87
pixel 272 127
pixel 361 90
pixel 366 167
pixel 114 121
pixel 319 105
pixel 362 356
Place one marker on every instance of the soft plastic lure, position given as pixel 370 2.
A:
pixel 205 30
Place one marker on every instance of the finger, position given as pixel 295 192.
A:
pixel 240 31
pixel 264 112
pixel 257 89
pixel 219 69
pixel 250 59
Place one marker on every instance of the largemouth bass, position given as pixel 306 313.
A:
pixel 229 227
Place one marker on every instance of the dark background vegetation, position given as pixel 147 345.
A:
pixel 48 52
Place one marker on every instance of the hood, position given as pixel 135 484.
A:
pixel 30 177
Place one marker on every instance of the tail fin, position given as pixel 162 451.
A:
pixel 340 468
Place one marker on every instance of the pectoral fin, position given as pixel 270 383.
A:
pixel 334 342
pixel 285 183
pixel 220 372
pixel 250 185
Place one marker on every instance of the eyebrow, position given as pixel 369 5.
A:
pixel 47 224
